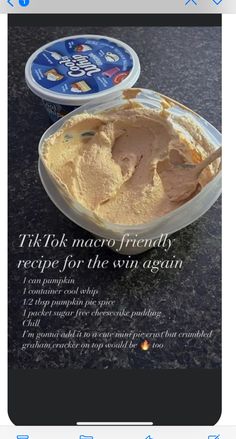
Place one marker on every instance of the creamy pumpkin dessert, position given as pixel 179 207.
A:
pixel 108 162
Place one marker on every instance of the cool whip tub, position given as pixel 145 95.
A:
pixel 76 70
pixel 151 230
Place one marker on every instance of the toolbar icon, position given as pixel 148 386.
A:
pixel 214 436
pixel 86 437
pixel 22 436
pixel 190 1
pixel 217 2
pixel 24 3
pixel 10 3
pixel 149 437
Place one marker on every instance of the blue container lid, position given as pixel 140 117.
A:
pixel 74 70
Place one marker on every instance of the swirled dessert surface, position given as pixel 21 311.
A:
pixel 107 161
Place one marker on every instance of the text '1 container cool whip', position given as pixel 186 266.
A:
pixel 76 70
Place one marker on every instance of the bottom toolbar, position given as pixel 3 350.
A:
pixel 117 432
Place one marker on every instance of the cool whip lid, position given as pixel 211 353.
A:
pixel 76 69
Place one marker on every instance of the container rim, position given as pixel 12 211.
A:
pixel 66 99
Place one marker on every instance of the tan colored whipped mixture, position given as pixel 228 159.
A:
pixel 107 162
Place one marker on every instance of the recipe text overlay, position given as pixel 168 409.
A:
pixel 61 312
pixel 42 264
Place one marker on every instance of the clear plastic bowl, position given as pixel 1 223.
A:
pixel 169 223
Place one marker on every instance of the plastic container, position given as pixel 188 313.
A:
pixel 72 71
pixel 169 223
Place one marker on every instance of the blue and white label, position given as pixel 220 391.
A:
pixel 81 66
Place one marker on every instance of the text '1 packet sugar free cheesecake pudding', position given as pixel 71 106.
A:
pixel 72 71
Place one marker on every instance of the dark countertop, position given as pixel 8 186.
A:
pixel 185 64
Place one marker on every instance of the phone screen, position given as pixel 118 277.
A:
pixel 114 223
